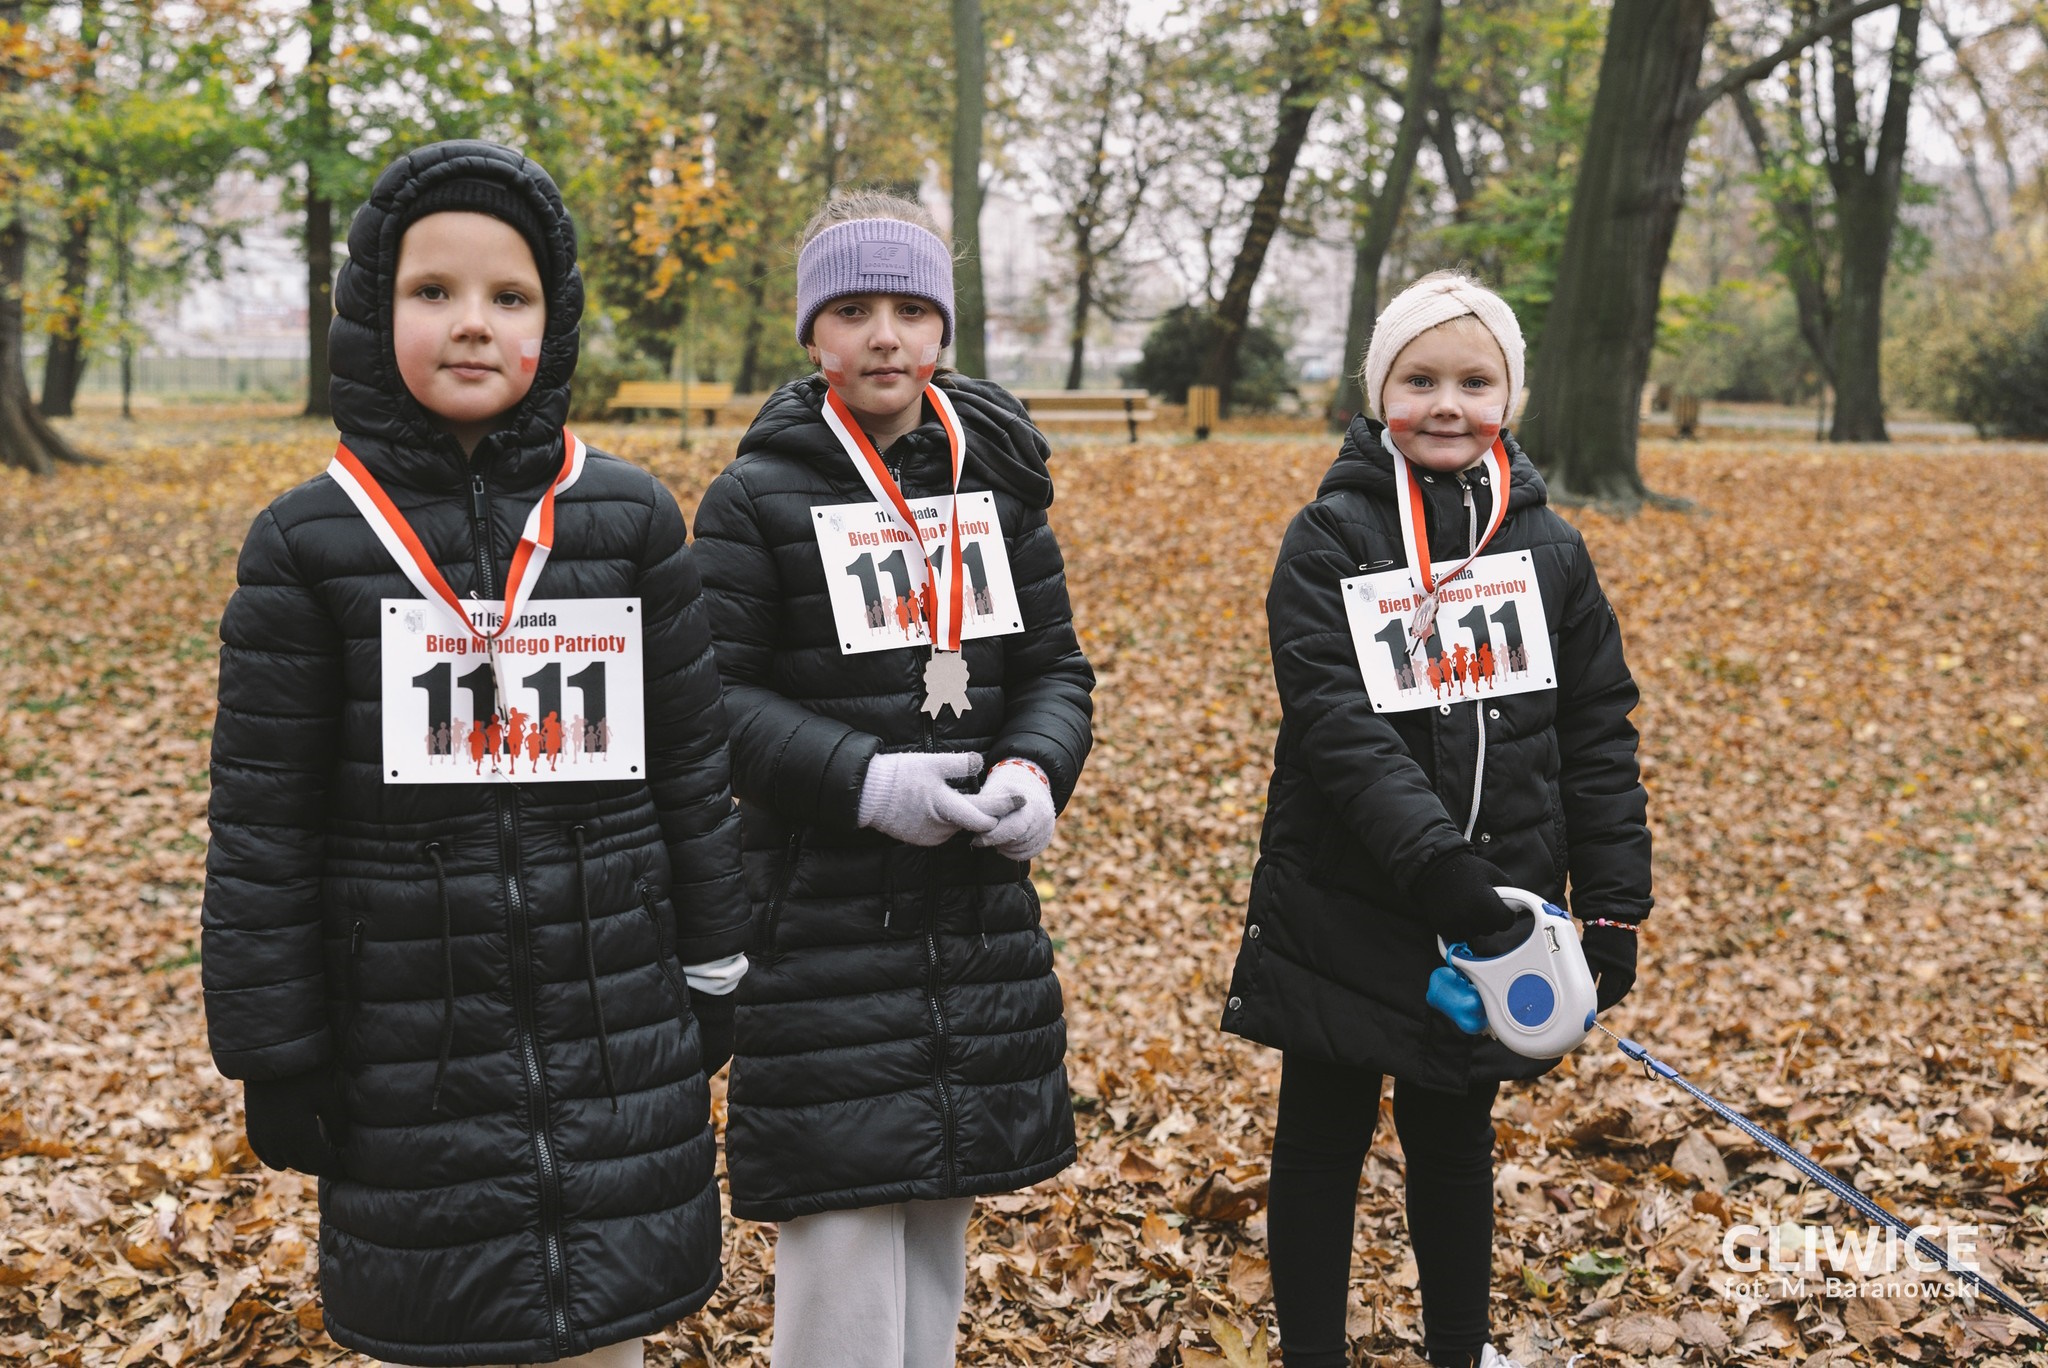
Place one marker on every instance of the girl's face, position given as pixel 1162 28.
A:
pixel 877 350
pixel 467 314
pixel 1446 397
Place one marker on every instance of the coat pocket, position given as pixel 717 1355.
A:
pixel 778 893
pixel 664 951
pixel 351 996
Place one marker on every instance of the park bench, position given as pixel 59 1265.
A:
pixel 702 396
pixel 1130 407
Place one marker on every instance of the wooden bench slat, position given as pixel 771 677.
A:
pixel 1093 416
pixel 1130 407
pixel 670 394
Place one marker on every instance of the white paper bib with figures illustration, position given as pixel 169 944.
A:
pixel 563 704
pixel 877 590
pixel 1489 638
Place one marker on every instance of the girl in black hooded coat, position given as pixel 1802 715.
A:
pixel 464 1004
pixel 1389 826
pixel 899 1042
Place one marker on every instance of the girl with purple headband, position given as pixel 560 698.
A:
pixel 910 711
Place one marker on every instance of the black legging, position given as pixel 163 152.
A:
pixel 1327 1114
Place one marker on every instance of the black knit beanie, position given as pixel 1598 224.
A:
pixel 500 202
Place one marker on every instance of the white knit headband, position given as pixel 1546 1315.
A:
pixel 1425 305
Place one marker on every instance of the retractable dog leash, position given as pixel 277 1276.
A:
pixel 1538 999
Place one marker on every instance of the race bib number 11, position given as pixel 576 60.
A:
pixel 1490 637
pixel 878 587
pixel 571 668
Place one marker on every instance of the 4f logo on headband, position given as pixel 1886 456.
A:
pixel 884 258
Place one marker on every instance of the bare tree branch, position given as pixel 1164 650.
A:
pixel 1800 40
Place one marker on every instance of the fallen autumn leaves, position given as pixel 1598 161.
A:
pixel 1843 721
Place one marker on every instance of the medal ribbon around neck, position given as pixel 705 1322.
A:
pixel 404 544
pixel 941 618
pixel 1415 534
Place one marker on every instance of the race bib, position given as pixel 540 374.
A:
pixel 1490 637
pixel 572 704
pixel 878 589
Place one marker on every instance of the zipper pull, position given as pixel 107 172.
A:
pixel 476 497
pixel 355 941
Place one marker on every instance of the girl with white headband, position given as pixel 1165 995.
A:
pixel 910 710
pixel 1454 719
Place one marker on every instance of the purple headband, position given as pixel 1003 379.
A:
pixel 873 256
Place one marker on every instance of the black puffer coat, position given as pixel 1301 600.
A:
pixel 900 1035
pixel 1336 958
pixel 348 923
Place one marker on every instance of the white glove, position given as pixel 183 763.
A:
pixel 906 795
pixel 1019 797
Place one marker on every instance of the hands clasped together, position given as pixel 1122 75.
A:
pixel 910 795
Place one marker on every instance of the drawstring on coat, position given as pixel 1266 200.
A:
pixel 604 1047
pixel 447 973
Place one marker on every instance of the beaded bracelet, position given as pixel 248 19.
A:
pixel 1617 925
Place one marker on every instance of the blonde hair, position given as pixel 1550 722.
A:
pixel 846 205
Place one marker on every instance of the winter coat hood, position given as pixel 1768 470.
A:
pixel 1364 463
pixel 378 417
pixel 1002 445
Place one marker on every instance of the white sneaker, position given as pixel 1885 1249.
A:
pixel 1490 1357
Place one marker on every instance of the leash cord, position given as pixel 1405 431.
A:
pixel 1812 1169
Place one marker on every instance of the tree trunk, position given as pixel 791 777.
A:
pixel 1802 261
pixel 1383 210
pixel 64 350
pixel 319 209
pixel 27 441
pixel 970 308
pixel 64 345
pixel 1077 330
pixel 1298 101
pixel 1588 377
pixel 1867 209
pixel 750 339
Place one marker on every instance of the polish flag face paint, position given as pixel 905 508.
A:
pixel 832 366
pixel 928 363
pixel 529 355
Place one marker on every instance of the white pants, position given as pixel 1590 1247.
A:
pixel 625 1354
pixel 878 1287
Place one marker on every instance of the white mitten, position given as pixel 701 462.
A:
pixel 1018 796
pixel 906 795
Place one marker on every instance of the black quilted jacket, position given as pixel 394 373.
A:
pixel 462 938
pixel 900 1035
pixel 1335 960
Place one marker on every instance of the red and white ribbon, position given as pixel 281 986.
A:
pixel 945 626
pixel 385 519
pixel 1415 533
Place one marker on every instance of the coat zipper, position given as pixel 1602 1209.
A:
pixel 1478 706
pixel 522 991
pixel 931 951
pixel 664 954
pixel 931 986
pixel 784 877
pixel 353 965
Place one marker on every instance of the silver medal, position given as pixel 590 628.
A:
pixel 945 683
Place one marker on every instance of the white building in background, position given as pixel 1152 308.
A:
pixel 257 308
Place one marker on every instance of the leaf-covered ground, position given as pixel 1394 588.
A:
pixel 1844 739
